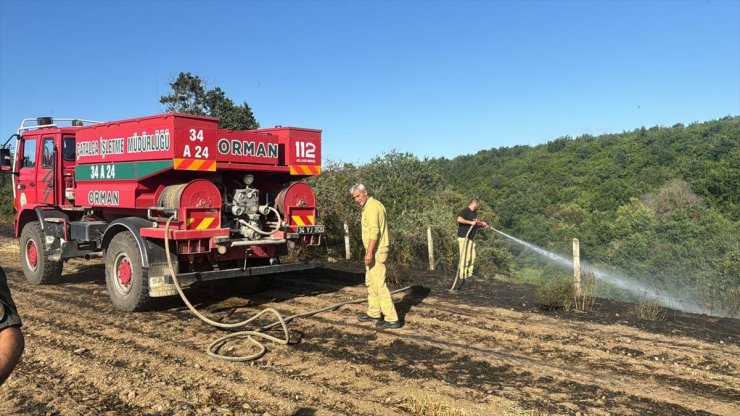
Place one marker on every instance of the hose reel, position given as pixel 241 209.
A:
pixel 198 193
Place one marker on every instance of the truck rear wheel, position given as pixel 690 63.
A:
pixel 127 288
pixel 37 267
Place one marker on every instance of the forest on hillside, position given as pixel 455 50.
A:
pixel 660 204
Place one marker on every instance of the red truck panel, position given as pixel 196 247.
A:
pixel 247 147
pixel 302 149
pixel 181 138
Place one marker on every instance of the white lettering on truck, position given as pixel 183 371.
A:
pixel 111 146
pixel 103 198
pixel 247 148
pixel 87 149
pixel 157 142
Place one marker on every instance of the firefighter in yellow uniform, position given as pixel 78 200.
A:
pixel 375 239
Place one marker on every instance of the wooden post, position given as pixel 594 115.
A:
pixel 430 245
pixel 577 267
pixel 347 253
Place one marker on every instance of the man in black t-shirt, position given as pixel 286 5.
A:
pixel 467 218
pixel 11 337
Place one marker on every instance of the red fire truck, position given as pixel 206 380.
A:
pixel 234 200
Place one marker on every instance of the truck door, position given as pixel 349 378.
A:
pixel 45 184
pixel 25 187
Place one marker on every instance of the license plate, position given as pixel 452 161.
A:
pixel 310 229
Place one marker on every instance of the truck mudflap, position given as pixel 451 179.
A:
pixel 161 283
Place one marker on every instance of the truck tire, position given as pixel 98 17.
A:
pixel 37 267
pixel 124 277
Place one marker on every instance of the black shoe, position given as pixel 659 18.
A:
pixel 388 325
pixel 462 283
pixel 363 317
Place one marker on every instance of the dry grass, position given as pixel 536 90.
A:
pixel 560 293
pixel 430 405
pixel 723 301
pixel 556 294
pixel 426 404
pixel 650 309
pixel 585 301
pixel 731 304
pixel 521 412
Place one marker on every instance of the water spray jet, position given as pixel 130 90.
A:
pixel 618 280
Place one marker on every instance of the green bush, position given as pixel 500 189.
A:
pixel 6 196
pixel 415 197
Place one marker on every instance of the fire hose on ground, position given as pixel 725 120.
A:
pixel 250 335
pixel 464 258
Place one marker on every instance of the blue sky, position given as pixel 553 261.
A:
pixel 431 78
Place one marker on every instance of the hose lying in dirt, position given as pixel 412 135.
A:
pixel 248 334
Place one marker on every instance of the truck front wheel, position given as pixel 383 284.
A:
pixel 127 288
pixel 37 267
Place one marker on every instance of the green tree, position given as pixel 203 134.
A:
pixel 6 196
pixel 415 197
pixel 190 95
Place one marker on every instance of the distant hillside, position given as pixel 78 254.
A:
pixel 601 173
pixel 660 203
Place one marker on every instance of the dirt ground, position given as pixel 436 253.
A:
pixel 487 351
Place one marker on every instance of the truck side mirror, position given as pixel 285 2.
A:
pixel 6 163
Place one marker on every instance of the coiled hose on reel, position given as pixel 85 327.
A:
pixel 170 196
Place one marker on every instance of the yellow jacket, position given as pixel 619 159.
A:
pixel 374 226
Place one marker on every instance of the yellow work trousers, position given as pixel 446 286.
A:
pixel 467 257
pixel 378 296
